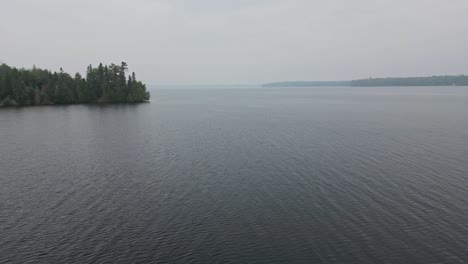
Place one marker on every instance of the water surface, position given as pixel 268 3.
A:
pixel 277 175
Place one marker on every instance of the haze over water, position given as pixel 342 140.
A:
pixel 278 175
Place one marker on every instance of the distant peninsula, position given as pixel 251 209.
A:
pixel 459 80
pixel 103 84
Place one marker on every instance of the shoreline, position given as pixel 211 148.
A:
pixel 69 104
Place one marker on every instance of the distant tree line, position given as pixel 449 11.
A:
pixel 103 84
pixel 460 80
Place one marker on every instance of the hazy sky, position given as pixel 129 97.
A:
pixel 239 41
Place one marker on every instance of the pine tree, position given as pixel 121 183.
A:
pixel 106 83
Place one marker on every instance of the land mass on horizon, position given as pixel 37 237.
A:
pixel 447 80
pixel 102 84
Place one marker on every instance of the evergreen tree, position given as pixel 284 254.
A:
pixel 102 84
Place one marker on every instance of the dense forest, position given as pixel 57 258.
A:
pixel 460 80
pixel 103 84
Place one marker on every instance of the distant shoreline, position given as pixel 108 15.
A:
pixel 453 80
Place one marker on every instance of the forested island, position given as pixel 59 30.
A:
pixel 102 84
pixel 459 80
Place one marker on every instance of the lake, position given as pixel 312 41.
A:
pixel 259 175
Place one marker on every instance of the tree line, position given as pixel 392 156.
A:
pixel 102 84
pixel 450 80
pixel 454 80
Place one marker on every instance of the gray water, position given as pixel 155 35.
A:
pixel 292 175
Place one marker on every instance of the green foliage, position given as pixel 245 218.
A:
pixel 106 84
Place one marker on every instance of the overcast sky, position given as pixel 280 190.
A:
pixel 239 41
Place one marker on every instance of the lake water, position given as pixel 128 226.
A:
pixel 291 175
